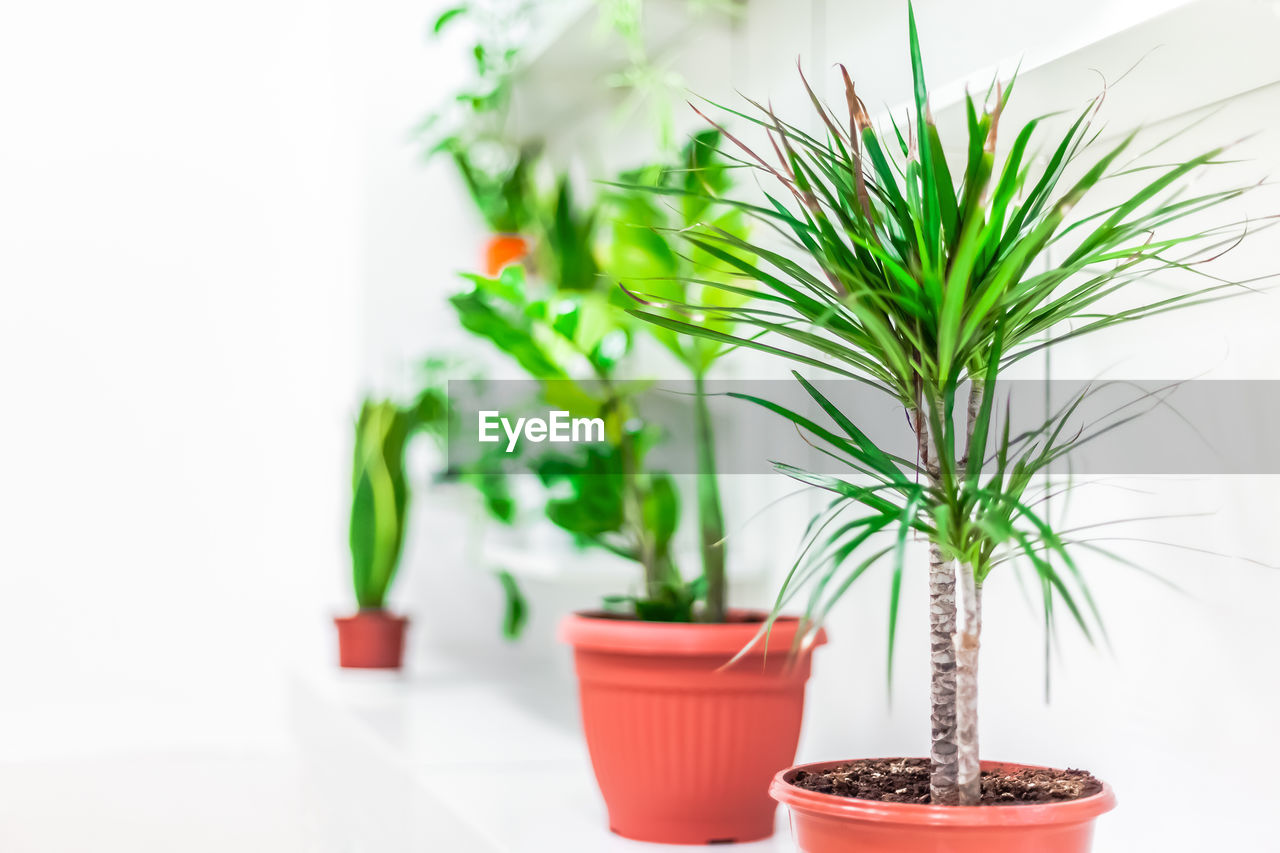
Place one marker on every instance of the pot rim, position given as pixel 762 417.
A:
pixel 918 814
pixel 592 631
pixel 375 613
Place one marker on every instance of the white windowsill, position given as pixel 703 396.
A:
pixel 443 759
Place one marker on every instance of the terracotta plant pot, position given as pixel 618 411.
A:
pixel 683 749
pixel 503 250
pixel 825 823
pixel 371 639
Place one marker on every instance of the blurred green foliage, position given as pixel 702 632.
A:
pixel 566 324
pixel 651 210
pixel 471 127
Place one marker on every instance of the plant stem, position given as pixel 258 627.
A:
pixel 944 751
pixel 944 775
pixel 976 389
pixel 955 629
pixel 968 641
pixel 966 699
pixel 633 499
pixel 710 517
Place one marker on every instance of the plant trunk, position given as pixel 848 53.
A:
pixel 967 639
pixel 967 646
pixel 955 629
pixel 710 516
pixel 944 751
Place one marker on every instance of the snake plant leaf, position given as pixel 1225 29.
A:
pixel 380 498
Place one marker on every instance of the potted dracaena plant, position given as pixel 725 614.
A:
pixel 650 664
pixel 926 284
pixel 373 638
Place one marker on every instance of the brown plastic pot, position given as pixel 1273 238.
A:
pixel 825 823
pixel 503 250
pixel 371 639
pixel 683 747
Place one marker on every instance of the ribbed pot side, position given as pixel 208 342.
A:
pixel 683 747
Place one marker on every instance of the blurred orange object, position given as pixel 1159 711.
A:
pixel 371 639
pixel 503 250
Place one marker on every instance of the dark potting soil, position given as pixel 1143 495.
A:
pixel 906 780
pixel 733 618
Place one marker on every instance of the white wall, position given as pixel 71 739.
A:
pixel 178 251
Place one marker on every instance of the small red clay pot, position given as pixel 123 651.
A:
pixel 503 250
pixel 371 639
pixel 684 747
pixel 824 823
